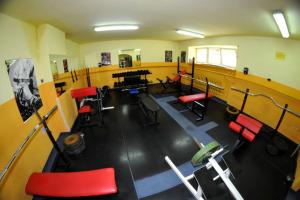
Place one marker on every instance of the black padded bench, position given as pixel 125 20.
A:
pixel 149 108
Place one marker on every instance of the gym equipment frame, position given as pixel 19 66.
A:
pixel 223 174
pixel 284 109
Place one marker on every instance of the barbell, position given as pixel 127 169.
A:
pixel 200 81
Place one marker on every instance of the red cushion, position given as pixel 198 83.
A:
pixel 193 97
pixel 248 135
pixel 85 109
pixel 177 77
pixel 235 127
pixel 249 123
pixel 72 184
pixel 84 92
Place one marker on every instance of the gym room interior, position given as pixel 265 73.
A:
pixel 150 100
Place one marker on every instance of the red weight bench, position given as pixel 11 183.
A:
pixel 79 95
pixel 172 81
pixel 72 184
pixel 195 101
pixel 247 127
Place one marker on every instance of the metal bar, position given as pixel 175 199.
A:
pixel 196 194
pixel 51 138
pixel 178 65
pixel 23 144
pixel 193 73
pixel 281 117
pixel 245 99
pixel 72 76
pixel 225 179
pixel 202 82
pixel 75 75
pixel 268 97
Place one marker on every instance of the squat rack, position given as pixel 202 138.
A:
pixel 284 108
pixel 42 122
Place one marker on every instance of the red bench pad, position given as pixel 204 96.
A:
pixel 235 127
pixel 84 92
pixel 72 184
pixel 85 109
pixel 248 135
pixel 193 97
pixel 249 123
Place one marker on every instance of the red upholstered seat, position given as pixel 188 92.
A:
pixel 249 123
pixel 84 92
pixel 248 135
pixel 193 97
pixel 85 109
pixel 235 127
pixel 72 184
pixel 177 77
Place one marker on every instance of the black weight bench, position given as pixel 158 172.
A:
pixel 149 108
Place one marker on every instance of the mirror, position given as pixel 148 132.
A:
pixel 130 58
pixel 61 66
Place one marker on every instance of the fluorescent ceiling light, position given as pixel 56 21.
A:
pixel 116 28
pixel 281 23
pixel 189 33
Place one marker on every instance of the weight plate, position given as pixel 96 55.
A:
pixel 204 153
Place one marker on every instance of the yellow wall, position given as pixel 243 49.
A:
pixel 151 50
pixel 259 55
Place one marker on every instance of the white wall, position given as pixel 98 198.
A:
pixel 259 55
pixel 151 50
pixel 17 40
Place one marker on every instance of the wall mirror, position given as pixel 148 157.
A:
pixel 130 58
pixel 61 66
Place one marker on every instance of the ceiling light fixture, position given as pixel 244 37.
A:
pixel 189 33
pixel 115 28
pixel 281 23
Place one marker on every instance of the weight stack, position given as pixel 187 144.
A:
pixel 74 144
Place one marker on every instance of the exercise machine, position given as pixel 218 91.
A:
pixel 212 176
pixel 199 100
pixel 88 94
pixel 175 82
pixel 277 143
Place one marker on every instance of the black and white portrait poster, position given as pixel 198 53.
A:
pixel 105 58
pixel 183 57
pixel 23 81
pixel 168 56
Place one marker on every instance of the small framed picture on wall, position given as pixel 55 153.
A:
pixel 66 67
pixel 183 57
pixel 168 56
pixel 105 58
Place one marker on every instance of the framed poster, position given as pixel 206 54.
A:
pixel 105 58
pixel 23 81
pixel 168 56
pixel 66 67
pixel 183 57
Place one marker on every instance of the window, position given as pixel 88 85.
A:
pixel 216 55
pixel 228 57
pixel 201 55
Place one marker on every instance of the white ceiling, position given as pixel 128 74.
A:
pixel 158 19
